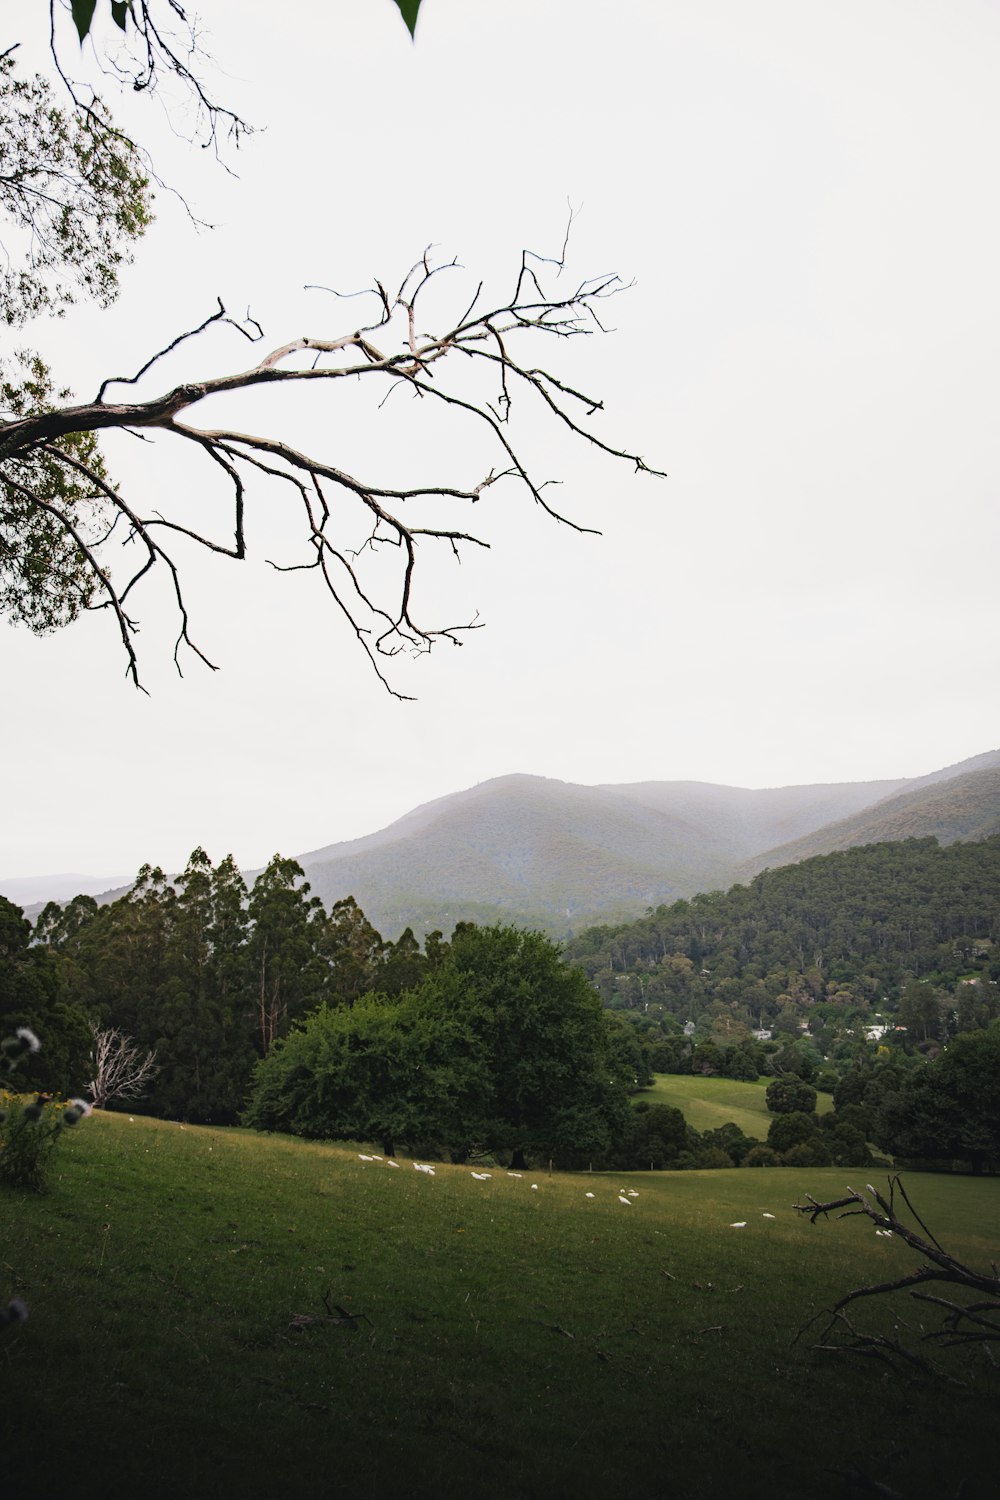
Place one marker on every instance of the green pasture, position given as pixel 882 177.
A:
pixel 487 1338
pixel 707 1103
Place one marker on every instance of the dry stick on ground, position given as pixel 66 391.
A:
pixel 383 622
pixel 969 1323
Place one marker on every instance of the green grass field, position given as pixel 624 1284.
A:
pixel 504 1341
pixel 707 1103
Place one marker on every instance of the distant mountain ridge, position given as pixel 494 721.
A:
pixel 963 807
pixel 562 856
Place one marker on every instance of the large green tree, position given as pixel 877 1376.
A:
pixel 501 1047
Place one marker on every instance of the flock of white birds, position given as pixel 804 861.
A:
pixel 626 1196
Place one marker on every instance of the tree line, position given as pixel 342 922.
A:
pixel 205 969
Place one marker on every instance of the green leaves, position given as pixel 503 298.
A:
pixel 407 9
pixel 83 15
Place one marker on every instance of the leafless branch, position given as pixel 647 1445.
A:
pixel 965 1323
pixel 427 363
pixel 160 40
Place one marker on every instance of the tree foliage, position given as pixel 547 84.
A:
pixel 500 1047
pixel 31 995
pixel 75 197
pixel 948 1109
pixel 789 1093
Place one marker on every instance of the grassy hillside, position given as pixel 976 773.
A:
pixel 504 1341
pixel 707 1103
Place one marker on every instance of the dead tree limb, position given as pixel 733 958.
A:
pixel 965 1324
pixel 47 450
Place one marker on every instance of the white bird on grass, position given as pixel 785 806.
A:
pixel 767 1216
pixel 627 1201
pixel 632 1193
pixel 482 1176
pixel 515 1174
pixel 740 1224
pixel 420 1166
pixel 392 1163
pixel 534 1187
pixel 365 1158
pixel 588 1195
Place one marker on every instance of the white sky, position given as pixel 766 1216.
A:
pixel 806 195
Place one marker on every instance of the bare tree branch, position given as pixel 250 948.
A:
pixel 428 364
pixel 965 1323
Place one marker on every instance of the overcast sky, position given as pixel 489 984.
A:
pixel 804 192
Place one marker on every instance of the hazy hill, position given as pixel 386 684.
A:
pixel 944 806
pixel 36 890
pixel 562 856
pixel 745 821
pixel 530 848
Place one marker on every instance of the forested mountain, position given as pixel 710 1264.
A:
pixel 849 928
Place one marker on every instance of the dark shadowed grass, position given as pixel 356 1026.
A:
pixel 501 1341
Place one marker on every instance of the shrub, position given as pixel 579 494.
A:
pixel 29 1131
pixel 28 1134
pixel 762 1156
pixel 810 1153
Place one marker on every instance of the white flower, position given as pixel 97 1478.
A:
pixel 27 1035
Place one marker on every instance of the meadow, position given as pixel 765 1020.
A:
pixel 219 1313
pixel 707 1103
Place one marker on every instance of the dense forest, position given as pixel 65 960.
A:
pixel 852 929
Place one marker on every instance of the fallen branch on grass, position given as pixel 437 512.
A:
pixel 965 1323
